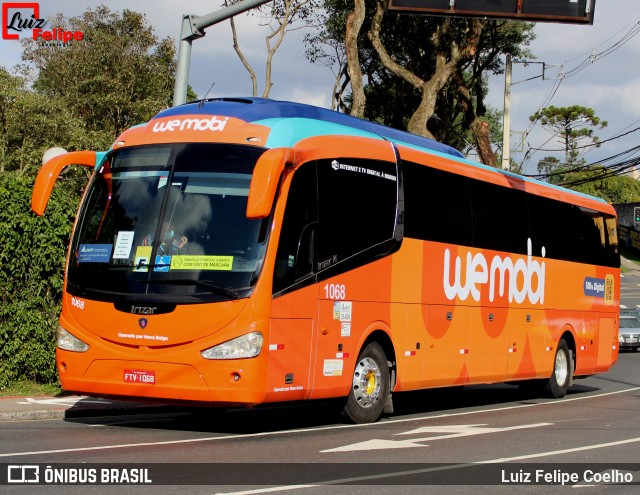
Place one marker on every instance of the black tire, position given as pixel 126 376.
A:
pixel 369 386
pixel 562 375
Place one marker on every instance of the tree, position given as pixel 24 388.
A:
pixel 32 257
pixel 117 76
pixel 418 67
pixel 572 125
pixel 282 16
pixel 600 182
pixel 84 94
pixel 30 123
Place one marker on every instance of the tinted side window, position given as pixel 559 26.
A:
pixel 572 233
pixel 294 259
pixel 358 202
pixel 437 205
pixel 500 217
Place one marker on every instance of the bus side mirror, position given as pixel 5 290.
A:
pixel 51 170
pixel 264 181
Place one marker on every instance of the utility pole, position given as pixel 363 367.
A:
pixel 192 29
pixel 506 116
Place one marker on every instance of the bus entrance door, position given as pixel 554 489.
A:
pixel 291 345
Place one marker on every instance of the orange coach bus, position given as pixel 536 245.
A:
pixel 238 252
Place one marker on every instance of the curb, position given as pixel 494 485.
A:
pixel 79 411
pixel 31 415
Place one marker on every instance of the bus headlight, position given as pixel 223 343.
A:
pixel 245 346
pixel 70 342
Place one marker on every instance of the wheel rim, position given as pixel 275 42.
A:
pixel 366 382
pixel 561 368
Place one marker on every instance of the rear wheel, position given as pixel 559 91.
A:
pixel 369 386
pixel 557 384
pixel 560 379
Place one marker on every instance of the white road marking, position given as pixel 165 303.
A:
pixel 307 430
pixel 374 477
pixel 452 431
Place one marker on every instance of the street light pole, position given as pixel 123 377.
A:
pixel 506 116
pixel 193 28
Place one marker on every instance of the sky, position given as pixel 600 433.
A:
pixel 594 66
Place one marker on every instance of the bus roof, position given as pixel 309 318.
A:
pixel 270 113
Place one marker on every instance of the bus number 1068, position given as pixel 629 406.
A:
pixel 335 291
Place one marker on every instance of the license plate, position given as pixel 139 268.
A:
pixel 632 340
pixel 140 376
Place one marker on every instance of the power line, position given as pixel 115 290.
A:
pixel 632 29
pixel 593 144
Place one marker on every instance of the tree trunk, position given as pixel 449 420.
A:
pixel 478 125
pixel 354 23
pixel 243 59
pixel 448 58
pixel 480 130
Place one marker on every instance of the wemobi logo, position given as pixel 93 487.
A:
pixel 212 124
pixel 523 279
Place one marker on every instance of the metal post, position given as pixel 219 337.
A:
pixel 506 118
pixel 192 28
pixel 184 62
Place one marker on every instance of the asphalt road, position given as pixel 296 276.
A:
pixel 431 438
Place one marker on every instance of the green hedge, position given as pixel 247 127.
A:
pixel 32 256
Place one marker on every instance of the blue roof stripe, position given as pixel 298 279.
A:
pixel 254 110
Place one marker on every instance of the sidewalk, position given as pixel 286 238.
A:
pixel 72 406
pixel 629 265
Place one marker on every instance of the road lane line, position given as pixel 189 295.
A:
pixel 303 430
pixel 374 477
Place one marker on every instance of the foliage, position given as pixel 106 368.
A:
pixel 597 181
pixel 32 258
pixel 83 95
pixel 420 46
pixel 31 122
pixel 619 189
pixel 117 76
pixel 572 125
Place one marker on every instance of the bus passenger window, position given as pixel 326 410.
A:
pixel 294 259
pixel 357 206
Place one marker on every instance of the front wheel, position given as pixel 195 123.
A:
pixel 560 379
pixel 369 387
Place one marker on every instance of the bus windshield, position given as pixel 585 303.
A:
pixel 169 222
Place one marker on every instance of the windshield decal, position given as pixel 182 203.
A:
pixel 162 263
pixel 94 253
pixel 143 255
pixel 186 262
pixel 124 243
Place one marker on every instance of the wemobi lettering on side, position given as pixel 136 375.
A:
pixel 504 270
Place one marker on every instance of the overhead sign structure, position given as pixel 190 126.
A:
pixel 563 11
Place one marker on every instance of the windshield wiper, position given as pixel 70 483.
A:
pixel 221 291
